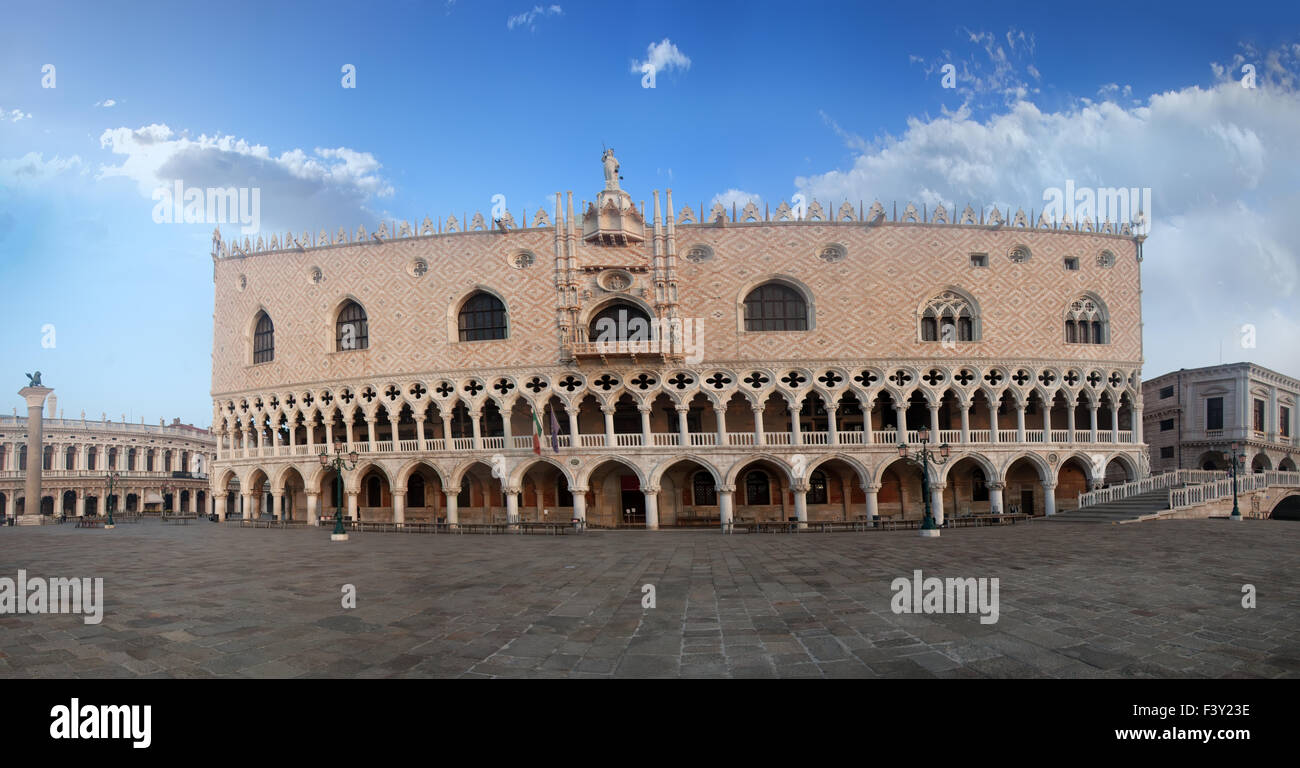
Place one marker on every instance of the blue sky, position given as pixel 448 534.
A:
pixel 457 102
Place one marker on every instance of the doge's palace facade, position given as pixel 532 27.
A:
pixel 687 368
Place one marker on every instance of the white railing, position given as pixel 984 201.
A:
pixel 629 440
pixel 703 438
pixel 592 441
pixel 1181 498
pixel 1034 435
pixel 777 438
pixel 950 436
pixel 913 435
pixel 494 443
pixel 849 438
pixel 462 443
pixel 1082 436
pixel 741 438
pixel 1152 483
pixel 816 438
pixel 980 435
pixel 408 445
pixel 1060 435
pixel 1007 436
pixel 1125 436
pixel 435 444
pixel 384 446
pixel 663 439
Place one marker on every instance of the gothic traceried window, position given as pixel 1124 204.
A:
pixel 1086 322
pixel 950 316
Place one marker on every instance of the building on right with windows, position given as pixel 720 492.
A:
pixel 1193 415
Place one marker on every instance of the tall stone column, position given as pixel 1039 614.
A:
pixel 35 397
pixel 651 508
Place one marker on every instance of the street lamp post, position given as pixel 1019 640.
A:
pixel 163 490
pixel 922 459
pixel 112 478
pixel 338 463
pixel 1234 458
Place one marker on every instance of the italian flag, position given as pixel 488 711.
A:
pixel 537 434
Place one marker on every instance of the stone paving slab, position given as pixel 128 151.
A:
pixel 1151 600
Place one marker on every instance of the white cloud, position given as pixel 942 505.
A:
pixel 14 115
pixel 106 103
pixel 663 57
pixel 528 18
pixel 33 167
pixel 992 70
pixel 737 197
pixel 327 187
pixel 1221 161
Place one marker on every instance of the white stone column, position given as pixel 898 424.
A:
pixel 993 419
pixel 683 436
pixel 608 411
pixel 965 422
pixel 720 415
pixel 574 440
pixel 446 432
pixel 313 511
pixel 1049 497
pixel 759 437
pixel 247 511
pixel 81 503
pixel 453 514
pixel 995 497
pixel 646 439
pixel 1020 421
pixel 873 509
pixel 419 433
pixel 1069 422
pixel 936 502
pixel 1047 422
pixel 329 433
pixel 579 503
pixel 370 433
pixel 724 505
pixel 352 506
pixel 832 428
pixel 277 503
pixel 399 506
pixel 1114 421
pixel 796 431
pixel 1136 419
pixel 1092 422
pixel 934 423
pixel 900 416
pixel 651 508
pixel 512 504
pixel 800 491
pixel 867 407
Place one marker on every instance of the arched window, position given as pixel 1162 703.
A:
pixel 90 457
pixel 374 494
pixel 757 490
pixel 47 461
pixel 620 322
pixel 775 307
pixel 351 330
pixel 264 339
pixel 482 317
pixel 415 491
pixel 950 316
pixel 817 488
pixel 1086 321
pixel 704 492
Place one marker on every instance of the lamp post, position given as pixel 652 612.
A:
pixel 112 478
pixel 922 459
pixel 1233 457
pixel 338 463
pixel 163 490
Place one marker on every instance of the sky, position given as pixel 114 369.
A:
pixel 455 102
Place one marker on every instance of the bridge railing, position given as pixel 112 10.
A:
pixel 1190 496
pixel 1147 484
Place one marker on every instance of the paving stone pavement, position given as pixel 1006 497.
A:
pixel 208 600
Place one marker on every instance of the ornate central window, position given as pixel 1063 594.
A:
pixel 951 316
pixel 1086 321
pixel 482 317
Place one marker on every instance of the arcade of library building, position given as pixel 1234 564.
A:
pixel 153 468
pixel 650 368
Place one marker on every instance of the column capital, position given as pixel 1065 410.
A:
pixel 643 408
pixel 651 489
pixel 725 488
pixel 578 489
pixel 607 408
pixel 511 490
pixel 799 486
pixel 399 491
pixel 450 493
pixel 1049 484
pixel 870 487
pixel 995 486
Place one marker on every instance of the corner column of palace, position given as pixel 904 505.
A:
pixel 35 397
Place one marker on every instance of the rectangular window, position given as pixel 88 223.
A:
pixel 1167 452
pixel 1166 392
pixel 1071 264
pixel 1284 421
pixel 1166 425
pixel 1214 413
pixel 1259 415
pixel 979 259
